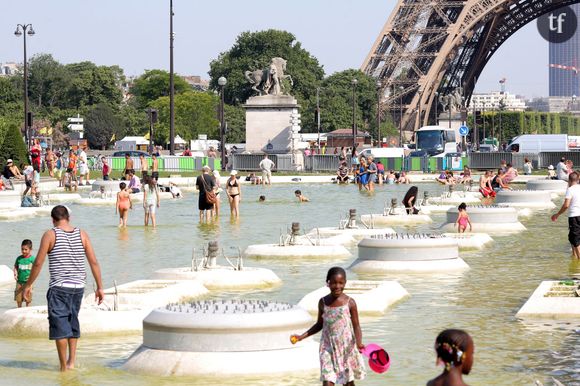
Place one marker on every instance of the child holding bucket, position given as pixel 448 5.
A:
pixel 454 350
pixel 340 359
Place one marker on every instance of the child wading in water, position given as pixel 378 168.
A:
pixel 22 267
pixel 463 219
pixel 150 201
pixel 341 341
pixel 123 204
pixel 454 350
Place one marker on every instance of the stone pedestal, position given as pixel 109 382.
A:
pixel 456 121
pixel 268 123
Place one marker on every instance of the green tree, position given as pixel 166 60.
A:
pixel 154 84
pixel 235 117
pixel 11 143
pixel 336 103
pixel 89 84
pixel 11 105
pixel 254 51
pixel 100 124
pixel 47 80
pixel 135 121
pixel 195 113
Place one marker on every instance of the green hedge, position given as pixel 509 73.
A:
pixel 11 143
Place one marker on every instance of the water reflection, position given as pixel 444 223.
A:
pixel 483 300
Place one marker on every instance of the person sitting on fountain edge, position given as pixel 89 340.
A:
pixel 342 173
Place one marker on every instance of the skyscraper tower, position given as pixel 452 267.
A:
pixel 565 64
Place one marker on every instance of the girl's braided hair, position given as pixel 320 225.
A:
pixel 450 346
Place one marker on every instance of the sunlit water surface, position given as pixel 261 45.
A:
pixel 482 300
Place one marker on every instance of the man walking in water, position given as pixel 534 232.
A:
pixel 67 247
pixel 266 166
pixel 572 204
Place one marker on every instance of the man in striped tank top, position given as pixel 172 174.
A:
pixel 66 247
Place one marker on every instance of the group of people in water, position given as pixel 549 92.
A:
pixel 365 172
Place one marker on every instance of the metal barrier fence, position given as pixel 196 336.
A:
pixel 251 162
pixel 330 162
pixel 167 163
pixel 493 160
pixel 553 157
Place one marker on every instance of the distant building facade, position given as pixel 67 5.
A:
pixel 8 69
pixel 556 104
pixel 493 100
pixel 564 65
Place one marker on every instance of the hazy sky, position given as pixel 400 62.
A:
pixel 134 34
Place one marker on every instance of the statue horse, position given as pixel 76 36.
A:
pixel 269 81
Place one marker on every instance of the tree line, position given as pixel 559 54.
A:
pixel 58 91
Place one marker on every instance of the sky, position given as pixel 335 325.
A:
pixel 134 34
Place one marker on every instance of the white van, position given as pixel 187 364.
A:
pixel 384 152
pixel 536 143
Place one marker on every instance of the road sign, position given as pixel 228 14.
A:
pixel 463 131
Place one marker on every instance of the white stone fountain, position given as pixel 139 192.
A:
pixel 394 215
pixel 554 186
pixel 492 219
pixel 533 199
pixel 421 253
pixel 123 309
pixel 373 298
pixel 234 275
pixel 224 338
pixel 292 244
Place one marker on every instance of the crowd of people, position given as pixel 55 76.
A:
pixel 365 172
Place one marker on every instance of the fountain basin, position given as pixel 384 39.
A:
pixel 466 241
pixel 556 186
pixel 491 219
pixel 538 199
pixel 373 298
pixel 408 253
pixel 396 219
pixel 456 198
pixel 553 299
pixel 305 251
pixel 218 277
pixel 356 233
pixel 56 198
pixel 429 209
pixel 20 213
pixel 135 300
pixel 198 338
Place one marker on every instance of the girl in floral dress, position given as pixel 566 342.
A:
pixel 341 341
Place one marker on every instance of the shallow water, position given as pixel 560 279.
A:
pixel 482 300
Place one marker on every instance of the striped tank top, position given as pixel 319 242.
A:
pixel 66 261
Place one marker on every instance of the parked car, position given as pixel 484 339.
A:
pixel 132 153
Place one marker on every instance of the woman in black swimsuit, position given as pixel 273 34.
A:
pixel 234 192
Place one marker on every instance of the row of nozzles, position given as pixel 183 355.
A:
pixel 227 306
pixel 406 236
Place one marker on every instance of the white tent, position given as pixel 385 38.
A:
pixel 131 143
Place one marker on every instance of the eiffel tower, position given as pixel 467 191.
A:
pixel 440 47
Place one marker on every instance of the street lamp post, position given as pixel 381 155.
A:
pixel 171 85
pixel 483 120
pixel 401 88
pixel 436 108
pixel 152 114
pixel 23 29
pixel 318 116
pixel 222 83
pixel 379 85
pixel 354 131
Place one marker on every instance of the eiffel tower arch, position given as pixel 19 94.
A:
pixel 439 46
